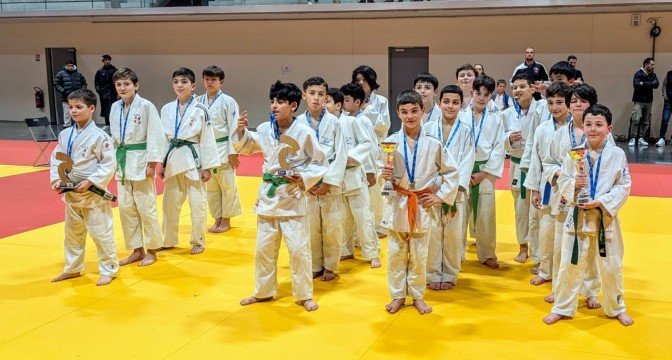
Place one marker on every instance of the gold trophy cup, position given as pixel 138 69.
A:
pixel 579 154
pixel 388 148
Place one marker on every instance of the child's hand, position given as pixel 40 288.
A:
pixel 55 186
pixel 162 172
pixel 516 136
pixel 477 178
pixel 321 189
pixel 296 179
pixel 205 175
pixel 242 122
pixel 150 172
pixel 233 161
pixel 371 179
pixel 387 172
pixel 590 205
pixel 581 180
pixel 83 186
pixel 535 199
pixel 428 200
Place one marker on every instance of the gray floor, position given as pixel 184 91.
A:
pixel 14 130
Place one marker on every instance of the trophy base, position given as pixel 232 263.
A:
pixel 66 186
pixel 285 172
pixel 388 193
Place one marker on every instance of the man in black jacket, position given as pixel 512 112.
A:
pixel 644 81
pixel 105 88
pixel 65 82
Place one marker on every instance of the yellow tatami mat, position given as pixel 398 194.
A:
pixel 9 170
pixel 186 307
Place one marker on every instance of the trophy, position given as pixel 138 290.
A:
pixel 579 154
pixel 388 148
pixel 67 185
pixel 291 148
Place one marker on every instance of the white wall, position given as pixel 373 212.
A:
pixel 252 52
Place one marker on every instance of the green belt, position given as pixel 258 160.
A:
pixel 222 139
pixel 523 175
pixel 445 207
pixel 178 143
pixel 601 238
pixel 475 188
pixel 320 182
pixel 121 156
pixel 276 181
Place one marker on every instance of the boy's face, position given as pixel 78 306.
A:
pixel 557 106
pixel 481 97
pixel 465 79
pixel 501 88
pixel 125 88
pixel 426 90
pixel 410 115
pixel 596 128
pixel 562 78
pixel 351 105
pixel 283 109
pixel 212 83
pixel 332 107
pixel 450 105
pixel 79 111
pixel 522 91
pixel 183 87
pixel 359 79
pixel 577 106
pixel 315 96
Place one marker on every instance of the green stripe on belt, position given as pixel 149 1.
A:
pixel 276 181
pixel 475 188
pixel 121 156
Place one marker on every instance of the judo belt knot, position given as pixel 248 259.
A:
pixel 122 149
pixel 413 215
pixel 475 189
pixel 276 181
pixel 178 143
pixel 523 175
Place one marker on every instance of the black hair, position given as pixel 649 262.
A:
pixel 524 76
pixel 563 68
pixel 501 81
pixel 214 71
pixel 315 81
pixel 186 72
pixel 486 82
pixel 598 110
pixel 354 90
pixel 584 92
pixel 464 67
pixel 369 75
pixel 646 62
pixel 482 68
pixel 452 89
pixel 106 57
pixel 69 62
pixel 84 95
pixel 571 57
pixel 558 88
pixel 425 77
pixel 286 91
pixel 336 94
pixel 409 97
pixel 125 73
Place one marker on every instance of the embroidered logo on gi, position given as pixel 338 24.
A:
pixel 626 174
pixel 136 119
pixel 563 201
pixel 106 145
pixel 191 122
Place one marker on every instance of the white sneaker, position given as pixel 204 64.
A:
pixel 106 128
pixel 660 143
pixel 643 143
pixel 631 142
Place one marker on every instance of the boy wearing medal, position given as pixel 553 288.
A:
pixel 223 201
pixel 445 239
pixel 427 85
pixel 85 156
pixel 422 173
pixel 192 152
pixel 593 227
pixel 140 143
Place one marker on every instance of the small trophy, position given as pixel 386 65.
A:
pixel 389 148
pixel 579 154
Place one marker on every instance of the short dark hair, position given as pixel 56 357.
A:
pixel 464 67
pixel 354 90
pixel 598 110
pixel 125 73
pixel 563 68
pixel 336 94
pixel 452 89
pixel 315 81
pixel 571 57
pixel 524 76
pixel 369 75
pixel 501 81
pixel 584 92
pixel 213 70
pixel 84 95
pixel 69 62
pixel 486 82
pixel 186 72
pixel 558 88
pixel 409 97
pixel 286 91
pixel 425 77
pixel 646 62
pixel 106 57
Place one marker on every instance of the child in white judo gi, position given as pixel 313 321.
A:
pixel 367 78
pixel 427 85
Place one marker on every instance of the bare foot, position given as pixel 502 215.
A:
pixel 375 263
pixel 537 280
pixel 625 319
pixel 380 235
pixel 137 255
pixel 522 254
pixel 251 300
pixel 436 285
pixel 149 259
pixel 225 225
pixel 197 249
pixel 534 270
pixel 447 285
pixel 491 263
pixel 309 304
pixel 395 305
pixel 551 318
pixel 328 275
pixel 593 303
pixel 346 257
pixel 422 307
pixel 317 274
pixel 104 280
pixel 65 276
pixel 215 225
pixel 549 298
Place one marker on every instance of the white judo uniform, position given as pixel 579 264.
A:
pixel 139 139
pixel 381 124
pixel 281 207
pixel 192 148
pixel 611 189
pixel 434 114
pixel 444 258
pixel 223 201
pixel 93 159
pixel 326 213
pixel 488 136
pixel 408 244
pixel 380 130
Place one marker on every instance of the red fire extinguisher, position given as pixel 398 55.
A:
pixel 39 98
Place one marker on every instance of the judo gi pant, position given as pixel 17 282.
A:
pixel 522 216
pixel 377 205
pixel 547 265
pixel 326 215
pixel 137 210
pixel 99 223
pixel 590 286
pixel 484 227
pixel 295 231
pixel 407 264
pixel 359 220
pixel 533 231
pixel 571 276
pixel 444 256
pixel 223 199
pixel 177 189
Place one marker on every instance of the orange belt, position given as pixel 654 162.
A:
pixel 412 205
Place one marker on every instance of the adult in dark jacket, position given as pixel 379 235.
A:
pixel 105 87
pixel 65 82
pixel 667 108
pixel 644 81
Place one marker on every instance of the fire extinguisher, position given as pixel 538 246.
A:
pixel 39 98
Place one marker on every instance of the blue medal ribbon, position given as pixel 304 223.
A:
pixel 205 100
pixel 178 118
pixel 410 171
pixel 274 126
pixel 480 126
pixel 123 125
pixel 519 110
pixel 595 178
pixel 452 133
pixel 429 117
pixel 71 140
pixel 573 137
pixel 310 122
